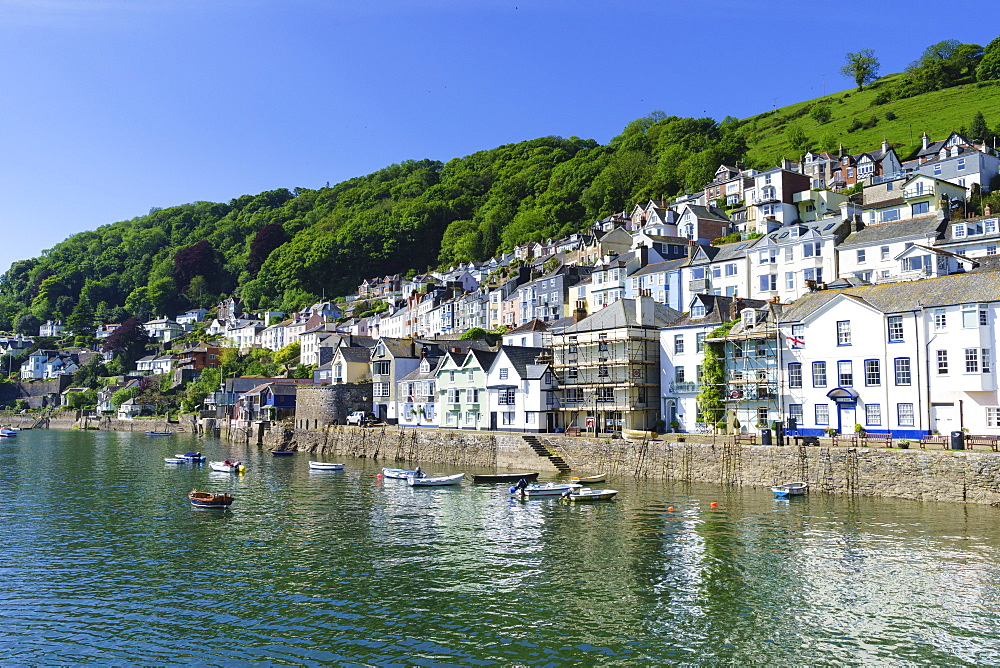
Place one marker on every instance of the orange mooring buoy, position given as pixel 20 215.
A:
pixel 714 504
pixel 670 508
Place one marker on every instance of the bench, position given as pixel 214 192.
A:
pixel 934 440
pixel 574 431
pixel 749 439
pixel 876 440
pixel 845 439
pixel 972 441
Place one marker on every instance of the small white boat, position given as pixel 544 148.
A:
pixel 435 482
pixel 7 433
pixel 325 466
pixel 587 494
pixel 403 474
pixel 228 467
pixel 176 460
pixel 791 489
pixel 590 479
pixel 549 489
pixel 192 456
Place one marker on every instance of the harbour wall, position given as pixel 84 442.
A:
pixel 922 475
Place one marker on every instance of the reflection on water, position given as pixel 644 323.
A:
pixel 103 560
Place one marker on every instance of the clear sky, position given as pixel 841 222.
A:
pixel 111 107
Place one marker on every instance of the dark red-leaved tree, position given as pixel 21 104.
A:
pixel 196 260
pixel 267 239
pixel 128 341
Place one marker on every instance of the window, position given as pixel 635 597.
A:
pixel 697 374
pixel 937 170
pixel 873 414
pixel 845 373
pixel 698 273
pixel 890 215
pixel 972 360
pixel 762 415
pixel 901 365
pixel 451 376
pixel 508 418
pixel 571 372
pixel 789 280
pixel 679 374
pixel 470 417
pixel 986 360
pixel 942 361
pixel 505 397
pixel 814 274
pixel 895 323
pixel 717 271
pixel 920 208
pixel 790 251
pixel 699 342
pixel 884 252
pixel 822 414
pixel 794 375
pixel 904 415
pixel 993 416
pixel 380 389
pixel 873 373
pixel 843 332
pixel 961 164
pixel 798 339
pixel 795 413
pixel 819 374
pixel 472 396
pixel 861 257
pixel 768 282
pixel 503 373
pixel 574 395
pixel 698 310
pixel 984 315
pixel 678 344
pixel 380 368
pixel 737 349
pixel 940 319
pixel 605 394
pixel 730 269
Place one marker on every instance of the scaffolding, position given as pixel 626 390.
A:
pixel 752 386
pixel 609 379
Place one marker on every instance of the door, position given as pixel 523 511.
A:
pixel 944 418
pixel 493 420
pixel 846 418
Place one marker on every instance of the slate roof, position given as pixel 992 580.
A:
pixel 535 325
pixel 974 286
pixel 657 267
pixel 923 226
pixel 355 355
pixel 716 310
pixel 521 357
pixel 621 314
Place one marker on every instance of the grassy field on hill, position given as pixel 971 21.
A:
pixel 900 122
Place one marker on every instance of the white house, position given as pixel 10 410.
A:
pixel 521 390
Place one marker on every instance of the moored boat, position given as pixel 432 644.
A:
pixel 791 489
pixel 210 500
pixel 228 467
pixel 437 481
pixel 159 433
pixel 590 479
pixel 192 456
pixel 549 489
pixel 587 494
pixel 176 460
pixel 282 453
pixel 403 474
pixel 7 432
pixel 504 477
pixel 325 466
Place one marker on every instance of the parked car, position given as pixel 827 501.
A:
pixel 361 418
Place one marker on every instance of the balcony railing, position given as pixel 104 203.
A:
pixel 684 386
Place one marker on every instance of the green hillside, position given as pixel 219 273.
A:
pixel 284 248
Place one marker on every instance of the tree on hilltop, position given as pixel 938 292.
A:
pixel 862 66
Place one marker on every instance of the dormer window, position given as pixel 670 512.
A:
pixel 425 367
pixel 697 310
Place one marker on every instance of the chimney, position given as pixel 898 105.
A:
pixel 643 256
pixel 885 146
pixel 692 249
pixel 923 141
pixel 579 314
pixel 645 311
pixel 856 223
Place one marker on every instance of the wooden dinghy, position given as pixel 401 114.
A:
pixel 325 466
pixel 437 481
pixel 791 489
pixel 587 494
pixel 210 500
pixel 600 477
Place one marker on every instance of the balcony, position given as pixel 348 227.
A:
pixel 684 386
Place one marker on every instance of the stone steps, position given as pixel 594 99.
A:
pixel 542 451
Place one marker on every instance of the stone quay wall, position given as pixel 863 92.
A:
pixel 922 475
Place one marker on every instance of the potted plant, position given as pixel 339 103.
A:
pixel 736 425
pixel 903 443
pixel 830 431
pixel 858 430
pixel 675 426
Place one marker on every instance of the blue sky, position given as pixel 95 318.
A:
pixel 111 107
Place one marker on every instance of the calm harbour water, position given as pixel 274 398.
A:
pixel 102 560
